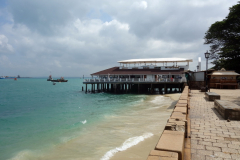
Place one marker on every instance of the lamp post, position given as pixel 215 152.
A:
pixel 197 67
pixel 207 56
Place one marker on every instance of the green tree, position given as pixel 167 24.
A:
pixel 224 39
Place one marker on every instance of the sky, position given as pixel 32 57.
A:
pixel 78 37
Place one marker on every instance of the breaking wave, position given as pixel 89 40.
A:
pixel 83 122
pixel 127 144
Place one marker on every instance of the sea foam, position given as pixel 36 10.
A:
pixel 127 144
pixel 83 122
pixel 25 154
pixel 158 99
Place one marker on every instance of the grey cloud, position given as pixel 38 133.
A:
pixel 72 38
pixel 5 47
pixel 45 16
pixel 171 20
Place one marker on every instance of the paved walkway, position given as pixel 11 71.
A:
pixel 212 137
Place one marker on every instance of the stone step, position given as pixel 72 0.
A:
pixel 227 109
pixel 178 115
pixel 181 105
pixel 181 109
pixel 211 96
pixel 172 141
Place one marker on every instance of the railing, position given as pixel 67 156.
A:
pixel 135 80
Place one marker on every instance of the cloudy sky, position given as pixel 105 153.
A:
pixel 79 37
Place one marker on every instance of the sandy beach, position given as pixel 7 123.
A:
pixel 142 149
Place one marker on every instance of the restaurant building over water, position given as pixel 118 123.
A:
pixel 161 75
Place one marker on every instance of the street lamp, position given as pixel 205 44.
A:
pixel 197 67
pixel 207 56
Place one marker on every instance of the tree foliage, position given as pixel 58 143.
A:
pixel 224 39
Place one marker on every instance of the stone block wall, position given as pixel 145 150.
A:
pixel 173 143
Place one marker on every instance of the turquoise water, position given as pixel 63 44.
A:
pixel 38 119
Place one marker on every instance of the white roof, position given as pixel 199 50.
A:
pixel 156 60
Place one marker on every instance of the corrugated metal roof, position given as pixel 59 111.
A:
pixel 224 73
pixel 117 71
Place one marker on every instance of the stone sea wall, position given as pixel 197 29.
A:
pixel 174 143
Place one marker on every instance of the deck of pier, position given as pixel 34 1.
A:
pixel 212 137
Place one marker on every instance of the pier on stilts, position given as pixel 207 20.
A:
pixel 133 87
pixel 141 76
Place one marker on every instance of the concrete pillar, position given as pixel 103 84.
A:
pixel 115 88
pixel 165 88
pixel 138 88
pixel 126 88
pixel 151 88
pixel 86 89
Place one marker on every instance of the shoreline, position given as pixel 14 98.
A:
pixel 141 150
pixel 143 121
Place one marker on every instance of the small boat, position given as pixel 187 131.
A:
pixel 2 77
pixel 59 80
pixel 50 78
pixel 54 83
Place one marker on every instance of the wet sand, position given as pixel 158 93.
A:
pixel 142 149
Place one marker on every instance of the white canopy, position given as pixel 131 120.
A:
pixel 155 60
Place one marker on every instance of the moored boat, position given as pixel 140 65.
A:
pixel 59 80
pixel 50 78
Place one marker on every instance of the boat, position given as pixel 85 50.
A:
pixel 59 80
pixel 2 77
pixel 54 83
pixel 50 78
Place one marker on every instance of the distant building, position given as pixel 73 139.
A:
pixel 223 79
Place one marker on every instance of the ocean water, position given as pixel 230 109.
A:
pixel 42 121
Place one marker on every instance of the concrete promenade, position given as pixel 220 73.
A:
pixel 212 137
